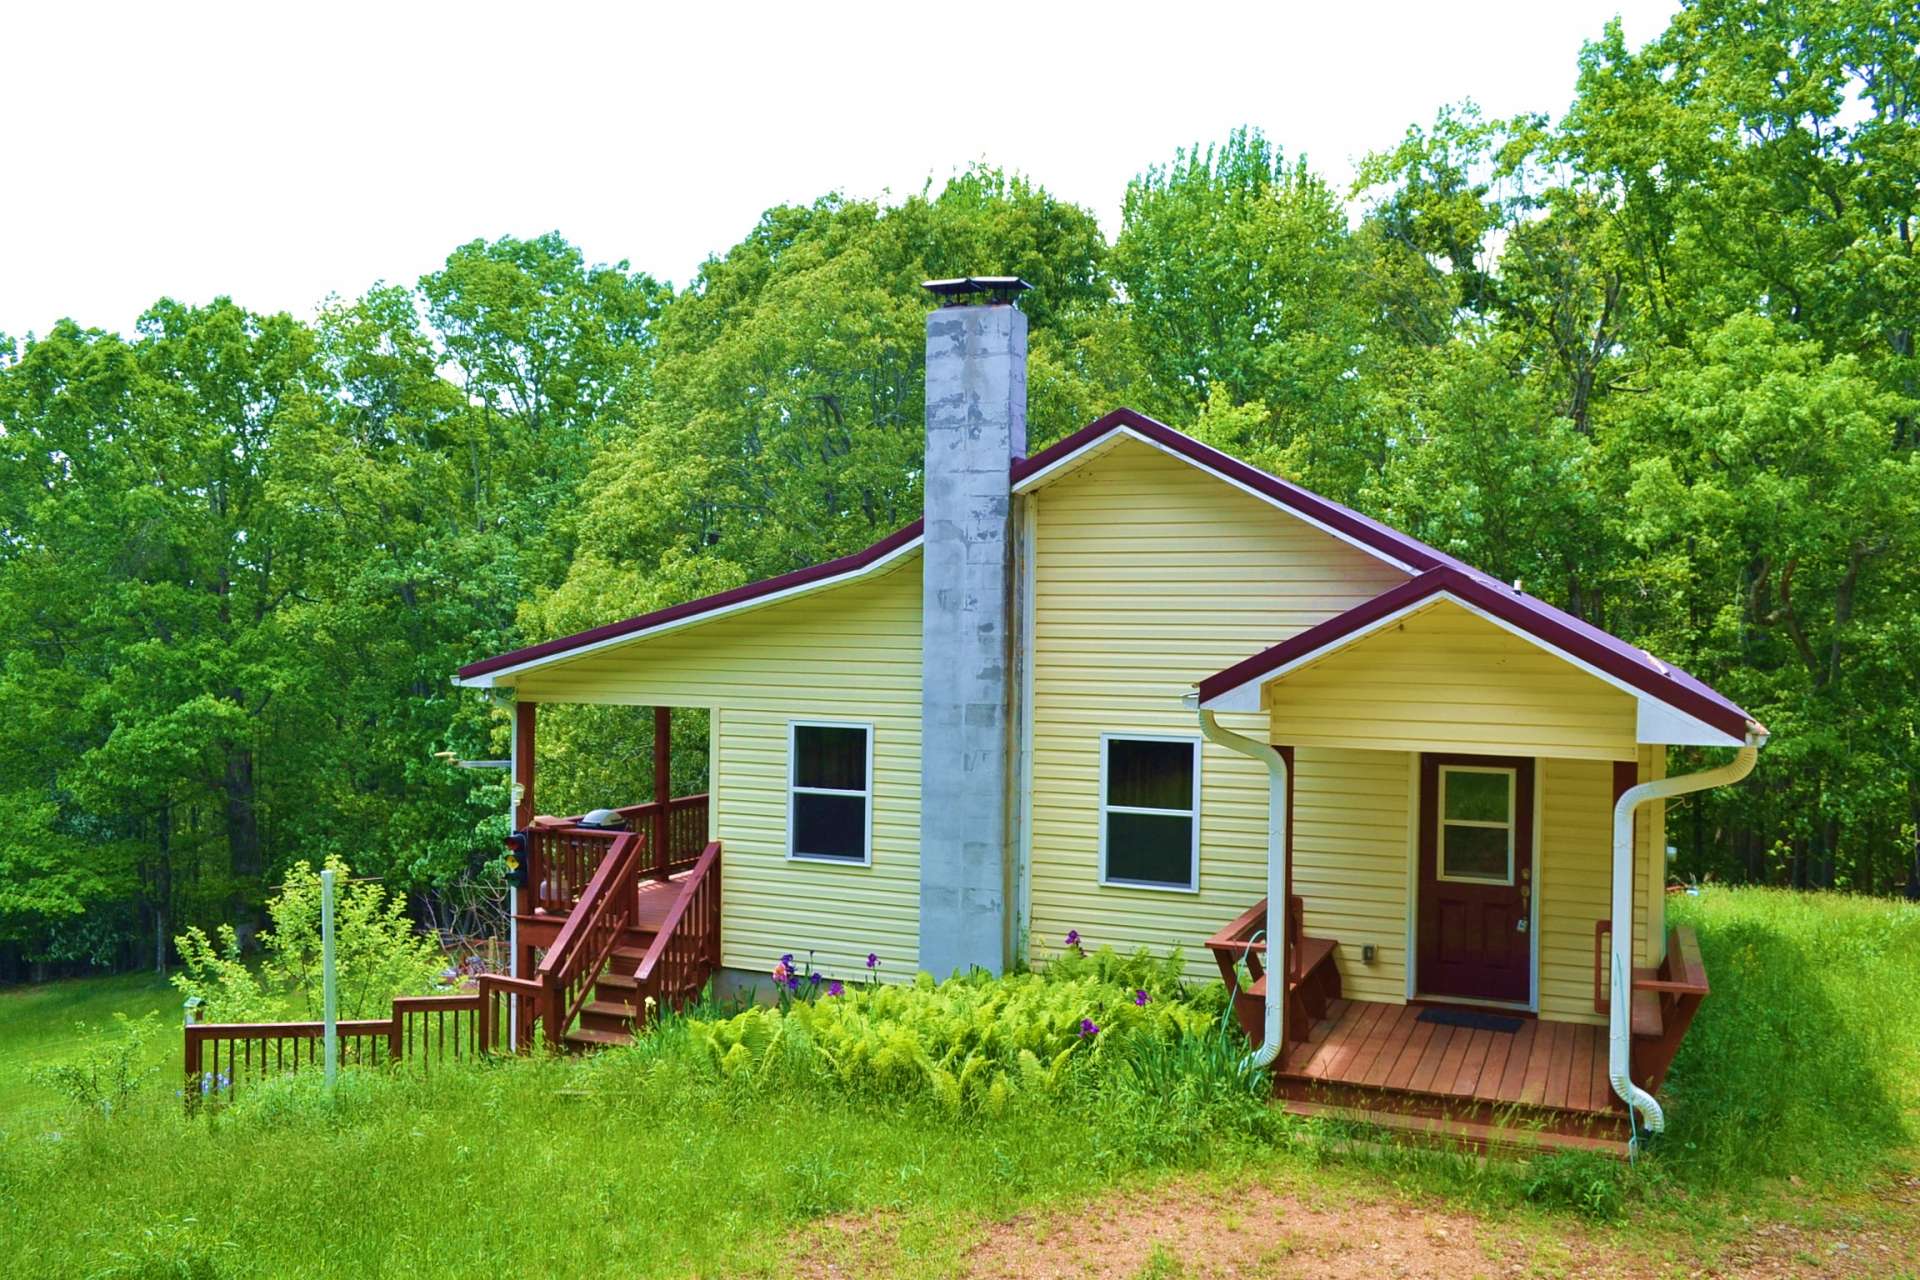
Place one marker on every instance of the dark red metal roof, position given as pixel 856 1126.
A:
pixel 1434 571
pixel 1626 663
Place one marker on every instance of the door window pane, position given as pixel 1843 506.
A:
pixel 1476 824
pixel 1475 853
pixel 1478 795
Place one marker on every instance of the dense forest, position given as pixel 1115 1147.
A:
pixel 1653 357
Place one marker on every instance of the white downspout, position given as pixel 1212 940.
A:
pixel 1620 1009
pixel 1277 818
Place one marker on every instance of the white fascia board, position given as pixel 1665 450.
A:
pixel 489 679
pixel 1656 721
pixel 1105 442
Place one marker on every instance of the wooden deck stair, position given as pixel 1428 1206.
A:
pixel 626 944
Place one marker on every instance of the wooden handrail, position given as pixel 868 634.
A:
pixel 594 893
pixel 692 925
pixel 218 1056
pixel 579 952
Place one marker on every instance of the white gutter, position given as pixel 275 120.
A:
pixel 1620 1011
pixel 1277 818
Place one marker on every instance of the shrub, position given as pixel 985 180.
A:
pixel 110 1071
pixel 1122 1028
pixel 378 954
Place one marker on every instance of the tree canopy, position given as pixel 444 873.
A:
pixel 1653 356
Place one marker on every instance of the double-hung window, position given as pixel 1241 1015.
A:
pixel 830 791
pixel 1150 812
pixel 1477 823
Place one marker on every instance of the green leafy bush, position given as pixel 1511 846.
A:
pixel 112 1070
pixel 1099 1023
pixel 378 954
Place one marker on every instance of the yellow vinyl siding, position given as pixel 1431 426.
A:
pixel 1650 857
pixel 1576 879
pixel 1148 576
pixel 849 652
pixel 1443 679
pixel 1350 862
pixel 1575 884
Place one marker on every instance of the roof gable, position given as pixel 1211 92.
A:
pixel 1686 710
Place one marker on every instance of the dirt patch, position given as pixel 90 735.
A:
pixel 1198 1230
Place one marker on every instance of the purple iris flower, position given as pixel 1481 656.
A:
pixel 815 979
pixel 1073 937
pixel 873 961
pixel 787 959
pixel 793 982
pixel 1088 1028
pixel 1140 997
pixel 834 988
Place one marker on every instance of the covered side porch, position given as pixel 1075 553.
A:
pixel 614 906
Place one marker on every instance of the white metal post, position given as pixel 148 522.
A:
pixel 328 993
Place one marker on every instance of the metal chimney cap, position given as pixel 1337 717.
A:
pixel 1000 289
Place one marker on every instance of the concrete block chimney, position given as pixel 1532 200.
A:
pixel 976 426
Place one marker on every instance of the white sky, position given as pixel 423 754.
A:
pixel 279 154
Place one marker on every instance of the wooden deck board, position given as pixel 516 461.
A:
pixel 1392 1035
pixel 1367 1045
pixel 1473 1060
pixel 1518 1055
pixel 1409 1058
pixel 1336 1057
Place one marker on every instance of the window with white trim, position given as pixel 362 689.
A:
pixel 830 791
pixel 1476 835
pixel 1150 812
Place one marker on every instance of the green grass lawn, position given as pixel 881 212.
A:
pixel 1796 1098
pixel 39 1025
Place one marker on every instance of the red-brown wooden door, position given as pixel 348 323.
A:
pixel 1476 877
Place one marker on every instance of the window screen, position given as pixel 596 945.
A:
pixel 1149 815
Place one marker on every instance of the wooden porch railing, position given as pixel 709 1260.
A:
pixel 505 1011
pixel 561 860
pixel 579 954
pixel 562 856
pixel 220 1056
pixel 686 951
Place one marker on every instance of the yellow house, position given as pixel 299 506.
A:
pixel 1134 690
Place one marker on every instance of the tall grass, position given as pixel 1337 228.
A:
pixel 705 1146
pixel 46 1023
pixel 1805 1060
pixel 649 1160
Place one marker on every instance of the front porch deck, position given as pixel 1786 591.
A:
pixel 1554 1066
pixel 1541 1085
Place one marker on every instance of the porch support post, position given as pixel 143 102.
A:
pixel 662 785
pixel 523 719
pixel 520 959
